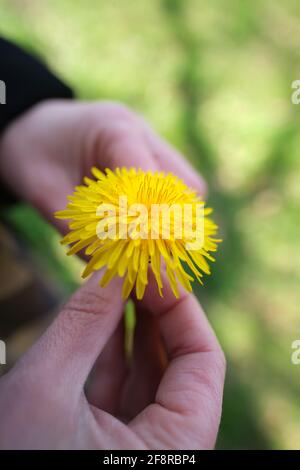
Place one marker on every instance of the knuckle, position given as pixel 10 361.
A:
pixel 120 132
pixel 122 112
pixel 112 137
pixel 112 128
pixel 114 110
pixel 87 301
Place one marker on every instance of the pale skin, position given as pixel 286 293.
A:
pixel 74 389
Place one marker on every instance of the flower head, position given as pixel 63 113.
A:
pixel 129 220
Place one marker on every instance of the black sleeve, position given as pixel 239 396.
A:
pixel 24 81
pixel 27 81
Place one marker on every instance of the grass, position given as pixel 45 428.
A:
pixel 221 94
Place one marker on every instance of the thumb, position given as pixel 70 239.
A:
pixel 65 354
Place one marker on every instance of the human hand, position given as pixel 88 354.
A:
pixel 50 148
pixel 43 403
pixel 43 155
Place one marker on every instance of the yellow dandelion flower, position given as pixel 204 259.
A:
pixel 129 220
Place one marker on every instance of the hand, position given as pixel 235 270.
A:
pixel 43 404
pixel 49 149
pixel 43 155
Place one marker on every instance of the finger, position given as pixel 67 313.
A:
pixel 106 380
pixel 122 145
pixel 169 159
pixel 146 368
pixel 67 351
pixel 189 397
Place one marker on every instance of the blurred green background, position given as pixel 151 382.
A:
pixel 215 79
